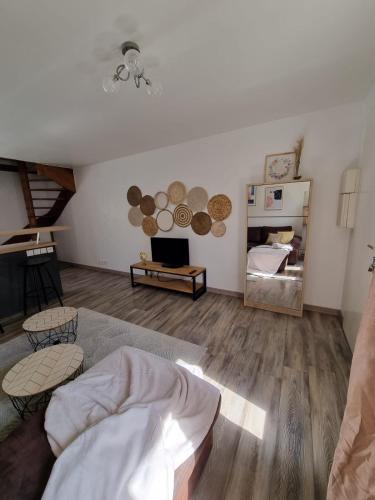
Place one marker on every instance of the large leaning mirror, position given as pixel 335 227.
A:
pixel 277 238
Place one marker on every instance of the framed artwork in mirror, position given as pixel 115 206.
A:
pixel 279 167
pixel 273 199
pixel 252 196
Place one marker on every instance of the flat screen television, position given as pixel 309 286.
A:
pixel 171 252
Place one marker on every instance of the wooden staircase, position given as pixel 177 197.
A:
pixel 46 191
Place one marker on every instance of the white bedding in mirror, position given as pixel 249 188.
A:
pixel 266 259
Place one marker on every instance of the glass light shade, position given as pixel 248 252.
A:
pixel 110 85
pixel 133 62
pixel 154 88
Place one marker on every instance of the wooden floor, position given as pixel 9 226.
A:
pixel 284 382
pixel 280 290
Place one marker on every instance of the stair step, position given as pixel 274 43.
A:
pixel 44 179
pixel 46 189
pixel 44 199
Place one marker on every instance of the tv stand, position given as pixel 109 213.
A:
pixel 181 279
pixel 171 266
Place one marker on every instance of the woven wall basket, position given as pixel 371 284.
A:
pixel 219 207
pixel 148 205
pixel 176 192
pixel 149 226
pixel 164 220
pixel 135 216
pixel 218 228
pixel 134 196
pixel 161 200
pixel 182 215
pixel 201 223
pixel 197 199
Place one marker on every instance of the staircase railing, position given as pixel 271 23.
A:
pixel 46 191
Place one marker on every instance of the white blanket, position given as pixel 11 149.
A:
pixel 122 428
pixel 266 259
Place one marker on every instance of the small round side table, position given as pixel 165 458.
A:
pixel 51 327
pixel 29 384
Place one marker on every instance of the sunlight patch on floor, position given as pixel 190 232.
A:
pixel 240 411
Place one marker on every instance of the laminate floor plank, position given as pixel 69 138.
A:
pixel 293 472
pixel 326 414
pixel 283 382
pixel 300 346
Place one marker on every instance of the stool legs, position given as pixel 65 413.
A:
pixel 54 287
pixel 42 287
pixel 36 290
pixel 33 275
pixel 25 291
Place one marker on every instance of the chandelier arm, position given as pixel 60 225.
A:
pixel 118 72
pixel 146 80
pixel 137 81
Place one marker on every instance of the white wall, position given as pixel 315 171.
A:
pixel 357 278
pixel 223 163
pixel 12 206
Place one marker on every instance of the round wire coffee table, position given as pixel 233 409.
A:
pixel 29 384
pixel 51 327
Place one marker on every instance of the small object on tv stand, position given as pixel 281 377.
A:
pixel 181 279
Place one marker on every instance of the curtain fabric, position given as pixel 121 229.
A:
pixel 353 471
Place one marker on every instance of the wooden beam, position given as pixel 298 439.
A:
pixel 8 168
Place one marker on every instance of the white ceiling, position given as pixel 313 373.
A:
pixel 223 65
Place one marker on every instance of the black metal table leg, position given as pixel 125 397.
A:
pixel 132 277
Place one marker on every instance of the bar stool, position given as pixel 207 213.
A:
pixel 33 274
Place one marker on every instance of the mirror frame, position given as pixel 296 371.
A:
pixel 270 307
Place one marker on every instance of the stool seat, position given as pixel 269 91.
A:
pixel 36 261
pixel 35 274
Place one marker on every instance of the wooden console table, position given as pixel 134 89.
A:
pixel 185 283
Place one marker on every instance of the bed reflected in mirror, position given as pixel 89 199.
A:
pixel 277 237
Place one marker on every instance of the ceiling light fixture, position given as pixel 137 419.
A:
pixel 132 67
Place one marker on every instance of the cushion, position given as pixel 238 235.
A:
pixel 265 230
pixel 26 461
pixel 273 238
pixel 286 236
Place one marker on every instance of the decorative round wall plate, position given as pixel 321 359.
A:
pixel 197 199
pixel 164 220
pixel 135 216
pixel 182 215
pixel 161 200
pixel 134 196
pixel 218 228
pixel 201 223
pixel 219 207
pixel 176 192
pixel 149 226
pixel 148 205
